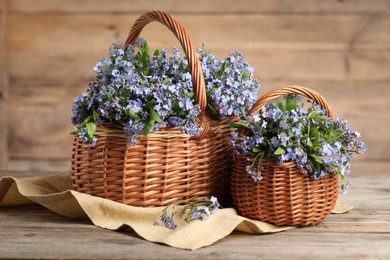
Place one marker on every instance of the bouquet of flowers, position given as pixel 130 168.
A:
pixel 285 131
pixel 143 93
pixel 287 158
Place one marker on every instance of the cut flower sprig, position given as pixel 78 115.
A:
pixel 200 208
pixel 285 131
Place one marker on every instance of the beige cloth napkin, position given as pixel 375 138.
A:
pixel 54 192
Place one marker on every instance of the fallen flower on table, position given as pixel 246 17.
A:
pixel 201 208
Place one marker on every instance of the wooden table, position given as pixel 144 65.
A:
pixel 34 232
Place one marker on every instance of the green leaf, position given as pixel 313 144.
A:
pixel 213 113
pixel 317 118
pixel 108 95
pixel 221 70
pixel 166 81
pixel 95 116
pixel 154 116
pixel 149 104
pixel 143 55
pixel 191 94
pixel 279 151
pixel 134 116
pixel 317 159
pixel 281 105
pixel 126 94
pixel 144 58
pixel 290 133
pixel 234 125
pixel 309 143
pixel 157 52
pixel 146 50
pixel 147 127
pixel 311 114
pixel 87 120
pixel 175 106
pixel 91 128
pixel 75 132
pixel 292 103
pixel 317 137
pixel 211 92
pixel 146 70
pixel 256 150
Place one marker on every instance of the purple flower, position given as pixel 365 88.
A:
pixel 255 117
pixel 283 138
pixel 195 214
pixel 168 221
pixel 276 113
pixel 361 147
pixel 254 173
pixel 275 142
pixel 191 129
pixel 214 205
pixel 284 125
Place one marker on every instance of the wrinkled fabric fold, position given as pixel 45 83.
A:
pixel 54 192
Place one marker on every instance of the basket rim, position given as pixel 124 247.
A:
pixel 110 129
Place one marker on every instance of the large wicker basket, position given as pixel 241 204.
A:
pixel 167 165
pixel 284 196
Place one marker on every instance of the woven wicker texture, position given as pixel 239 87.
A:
pixel 166 166
pixel 284 196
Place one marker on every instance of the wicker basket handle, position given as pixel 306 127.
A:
pixel 186 43
pixel 282 91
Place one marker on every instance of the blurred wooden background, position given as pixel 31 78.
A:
pixel 340 48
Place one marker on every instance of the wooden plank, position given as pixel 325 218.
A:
pixel 46 127
pixel 32 165
pixel 67 46
pixel 320 65
pixel 3 90
pixel 25 173
pixel 272 65
pixel 254 30
pixel 363 233
pixel 200 6
pixel 47 244
pixel 39 116
pixel 370 169
pixel 41 127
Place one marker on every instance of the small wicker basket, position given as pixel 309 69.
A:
pixel 167 165
pixel 284 196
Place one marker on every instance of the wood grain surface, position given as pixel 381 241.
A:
pixel 33 232
pixel 339 48
pixel 3 92
pixel 201 6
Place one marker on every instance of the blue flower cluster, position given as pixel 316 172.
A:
pixel 285 131
pixel 144 92
pixel 230 84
